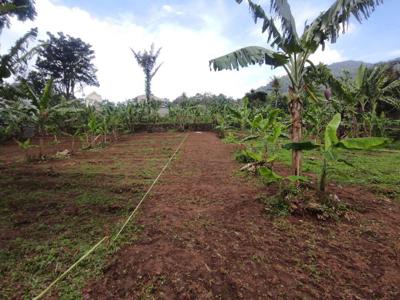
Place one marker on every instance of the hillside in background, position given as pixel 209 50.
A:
pixel 337 69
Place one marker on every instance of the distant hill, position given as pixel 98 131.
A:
pixel 337 69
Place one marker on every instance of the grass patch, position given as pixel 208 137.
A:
pixel 94 198
pixel 376 169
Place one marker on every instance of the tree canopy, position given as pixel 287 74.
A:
pixel 22 9
pixel 68 61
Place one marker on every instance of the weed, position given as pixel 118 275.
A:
pixel 243 157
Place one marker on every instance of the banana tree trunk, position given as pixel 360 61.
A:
pixel 295 107
pixel 41 142
pixel 322 182
pixel 73 145
pixel 41 146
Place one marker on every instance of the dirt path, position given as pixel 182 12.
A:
pixel 207 237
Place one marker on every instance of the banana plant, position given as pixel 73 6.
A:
pixel 266 131
pixel 241 114
pixel 25 146
pixel 222 126
pixel 292 51
pixel 332 143
pixel 94 130
pixel 13 114
pixel 46 114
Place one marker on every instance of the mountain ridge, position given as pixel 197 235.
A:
pixel 337 69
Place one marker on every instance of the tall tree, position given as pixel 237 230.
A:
pixel 68 61
pixel 147 60
pixel 22 9
pixel 292 52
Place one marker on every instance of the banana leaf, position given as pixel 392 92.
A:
pixel 362 143
pixel 301 146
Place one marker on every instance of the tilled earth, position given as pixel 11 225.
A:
pixel 207 236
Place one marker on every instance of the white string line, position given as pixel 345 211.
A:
pixel 150 188
pixel 119 232
pixel 69 269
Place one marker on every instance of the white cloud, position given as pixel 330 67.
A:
pixel 171 10
pixel 393 53
pixel 167 8
pixel 327 56
pixel 185 52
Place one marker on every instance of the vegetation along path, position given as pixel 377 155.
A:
pixel 206 236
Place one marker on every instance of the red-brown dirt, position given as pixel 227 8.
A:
pixel 52 210
pixel 206 236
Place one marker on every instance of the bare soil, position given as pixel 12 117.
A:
pixel 52 211
pixel 207 236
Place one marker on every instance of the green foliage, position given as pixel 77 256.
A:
pixel 291 51
pixel 16 60
pixel 25 145
pixel 332 142
pixel 248 56
pixel 269 175
pixel 22 9
pixel 242 156
pixel 362 143
pixel 331 138
pixel 307 145
pixel 68 61
pixel 279 205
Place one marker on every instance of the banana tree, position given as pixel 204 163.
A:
pixel 265 132
pixel 222 125
pixel 95 130
pixel 46 114
pixel 16 60
pixel 42 103
pixel 291 51
pixel 14 115
pixel 362 95
pixel 332 143
pixel 239 115
pixel 376 85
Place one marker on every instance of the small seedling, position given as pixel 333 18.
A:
pixel 25 146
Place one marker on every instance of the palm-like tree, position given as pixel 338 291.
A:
pixel 22 9
pixel 292 52
pixel 17 58
pixel 147 61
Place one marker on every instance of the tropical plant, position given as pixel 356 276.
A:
pixel 147 60
pixel 16 60
pixel 332 143
pixel 45 113
pixel 94 130
pixel 222 126
pixel 266 131
pixel 293 51
pixel 22 9
pixel 239 115
pixel 14 115
pixel 25 146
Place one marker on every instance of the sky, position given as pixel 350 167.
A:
pixel 192 32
